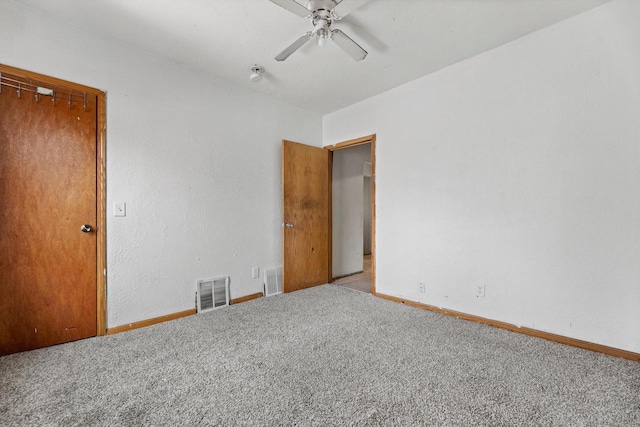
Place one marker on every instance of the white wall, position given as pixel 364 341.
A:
pixel 196 159
pixel 348 208
pixel 518 170
pixel 367 215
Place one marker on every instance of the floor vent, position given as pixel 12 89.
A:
pixel 273 281
pixel 213 293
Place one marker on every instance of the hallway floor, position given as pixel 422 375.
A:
pixel 359 281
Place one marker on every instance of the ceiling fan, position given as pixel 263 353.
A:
pixel 322 14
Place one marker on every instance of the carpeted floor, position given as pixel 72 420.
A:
pixel 322 356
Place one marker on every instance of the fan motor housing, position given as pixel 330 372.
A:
pixel 318 5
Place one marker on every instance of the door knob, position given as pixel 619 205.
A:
pixel 86 228
pixel 287 225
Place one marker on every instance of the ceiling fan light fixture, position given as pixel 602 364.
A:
pixel 256 73
pixel 322 16
pixel 321 40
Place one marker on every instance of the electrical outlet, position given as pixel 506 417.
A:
pixel 421 288
pixel 480 291
pixel 255 272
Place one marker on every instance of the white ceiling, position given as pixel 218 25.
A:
pixel 406 39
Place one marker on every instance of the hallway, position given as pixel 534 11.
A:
pixel 359 281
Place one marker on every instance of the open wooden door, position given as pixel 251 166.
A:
pixel 48 214
pixel 307 214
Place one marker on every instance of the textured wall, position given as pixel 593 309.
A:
pixel 196 160
pixel 367 217
pixel 517 170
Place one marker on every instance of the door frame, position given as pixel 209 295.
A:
pixel 101 179
pixel 369 139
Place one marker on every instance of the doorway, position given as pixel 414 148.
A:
pixel 52 216
pixel 353 214
pixel 307 236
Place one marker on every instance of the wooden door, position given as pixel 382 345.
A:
pixel 306 214
pixel 47 192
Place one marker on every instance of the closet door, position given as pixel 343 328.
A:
pixel 48 217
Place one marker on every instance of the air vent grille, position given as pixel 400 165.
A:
pixel 220 293
pixel 273 281
pixel 212 293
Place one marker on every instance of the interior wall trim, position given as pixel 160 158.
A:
pixel 352 143
pixel 599 348
pixel 172 316
pixel 149 322
pixel 246 298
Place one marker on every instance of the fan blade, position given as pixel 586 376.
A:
pixel 294 46
pixel 352 48
pixel 345 7
pixel 293 7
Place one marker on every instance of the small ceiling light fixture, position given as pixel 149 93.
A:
pixel 256 73
pixel 322 38
pixel 322 31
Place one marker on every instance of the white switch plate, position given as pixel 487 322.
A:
pixel 255 272
pixel 119 209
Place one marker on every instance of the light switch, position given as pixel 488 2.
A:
pixel 119 209
pixel 255 272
